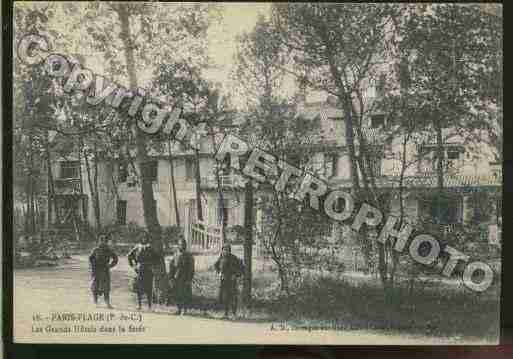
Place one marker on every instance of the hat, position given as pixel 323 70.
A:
pixel 103 234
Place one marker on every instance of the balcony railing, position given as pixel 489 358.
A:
pixel 449 166
pixel 224 181
pixel 67 185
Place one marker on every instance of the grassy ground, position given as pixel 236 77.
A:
pixel 355 303
pixel 353 300
pixel 438 312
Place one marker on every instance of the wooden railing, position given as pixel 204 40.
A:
pixel 203 237
pixel 450 166
pixel 67 185
pixel 224 181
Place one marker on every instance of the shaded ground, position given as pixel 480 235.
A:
pixel 66 288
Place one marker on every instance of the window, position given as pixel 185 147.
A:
pixel 132 178
pixel 380 85
pixel 435 158
pixel 403 70
pixel 453 154
pixel 180 147
pixel 152 170
pixel 223 212
pixel 226 122
pixel 121 212
pixel 190 169
pixel 498 212
pixel 481 204
pixel 326 229
pixel 225 165
pixel 330 164
pixel 377 121
pixel 225 171
pixel 443 210
pixel 429 154
pixel 70 169
pixel 122 172
pixel 375 157
pixel 375 165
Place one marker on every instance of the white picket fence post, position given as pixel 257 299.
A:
pixel 205 237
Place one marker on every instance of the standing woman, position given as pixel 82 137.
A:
pixel 230 268
pixel 181 269
pixel 142 258
pixel 102 259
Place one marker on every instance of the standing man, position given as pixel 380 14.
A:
pixel 142 258
pixel 102 259
pixel 181 270
pixel 230 268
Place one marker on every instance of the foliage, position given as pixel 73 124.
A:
pixel 272 124
pixel 427 67
pixel 170 234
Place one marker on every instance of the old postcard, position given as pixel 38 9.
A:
pixel 257 173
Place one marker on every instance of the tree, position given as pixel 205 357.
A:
pixel 272 124
pixel 125 35
pixel 34 105
pixel 345 50
pixel 452 67
pixel 339 48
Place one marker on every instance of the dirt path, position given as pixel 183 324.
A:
pixel 46 291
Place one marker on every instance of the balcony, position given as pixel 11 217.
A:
pixel 229 181
pixel 431 167
pixel 67 185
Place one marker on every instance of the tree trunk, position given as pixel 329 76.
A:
pixel 82 197
pixel 220 205
pixel 197 178
pixel 248 242
pixel 32 190
pixel 96 189
pixel 92 189
pixel 149 208
pixel 26 217
pixel 440 168
pixel 52 201
pixel 345 99
pixel 173 184
pixel 148 201
pixel 395 254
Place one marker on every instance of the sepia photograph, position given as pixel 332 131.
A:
pixel 257 173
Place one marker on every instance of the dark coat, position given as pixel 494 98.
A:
pixel 230 267
pixel 101 259
pixel 143 258
pixel 181 272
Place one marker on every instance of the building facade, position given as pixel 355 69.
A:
pixel 472 178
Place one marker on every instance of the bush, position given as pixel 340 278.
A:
pixel 171 234
pixel 124 233
pixel 365 306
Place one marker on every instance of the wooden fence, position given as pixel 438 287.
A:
pixel 204 238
